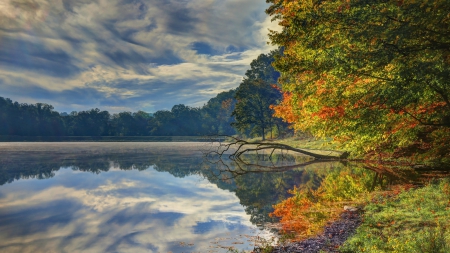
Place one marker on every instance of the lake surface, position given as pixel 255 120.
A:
pixel 117 197
pixel 136 197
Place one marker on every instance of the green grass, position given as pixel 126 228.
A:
pixel 318 146
pixel 413 221
pixel 309 143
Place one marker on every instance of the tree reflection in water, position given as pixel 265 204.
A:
pixel 254 179
pixel 306 193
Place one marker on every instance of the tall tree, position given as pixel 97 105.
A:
pixel 253 109
pixel 374 74
pixel 255 96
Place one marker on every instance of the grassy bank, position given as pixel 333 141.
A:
pixel 317 146
pixel 399 218
pixel 414 220
pixel 302 142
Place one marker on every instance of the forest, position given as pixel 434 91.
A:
pixel 40 119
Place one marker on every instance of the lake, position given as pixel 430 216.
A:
pixel 137 197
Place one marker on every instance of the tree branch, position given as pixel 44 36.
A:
pixel 242 147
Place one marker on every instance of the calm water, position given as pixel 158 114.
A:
pixel 117 197
pixel 134 197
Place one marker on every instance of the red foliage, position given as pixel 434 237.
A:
pixel 330 112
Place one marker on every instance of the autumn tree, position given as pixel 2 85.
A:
pixel 373 74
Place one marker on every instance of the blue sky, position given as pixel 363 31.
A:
pixel 127 55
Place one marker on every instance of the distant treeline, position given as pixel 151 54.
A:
pixel 40 119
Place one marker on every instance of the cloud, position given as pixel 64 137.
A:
pixel 136 54
pixel 20 54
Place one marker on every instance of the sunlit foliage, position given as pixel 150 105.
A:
pixel 412 221
pixel 374 75
pixel 308 210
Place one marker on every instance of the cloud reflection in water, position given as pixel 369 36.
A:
pixel 120 211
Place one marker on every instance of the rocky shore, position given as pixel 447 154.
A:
pixel 333 236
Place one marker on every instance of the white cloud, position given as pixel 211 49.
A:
pixel 62 46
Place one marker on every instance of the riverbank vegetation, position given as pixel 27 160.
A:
pixel 372 78
pixel 309 209
pixel 373 75
pixel 405 220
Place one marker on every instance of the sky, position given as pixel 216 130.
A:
pixel 127 55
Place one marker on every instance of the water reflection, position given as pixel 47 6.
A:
pixel 156 196
pixel 152 198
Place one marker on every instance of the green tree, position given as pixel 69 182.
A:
pixel 253 110
pixel 29 119
pixel 123 124
pixel 163 126
pixel 186 120
pixel 256 94
pixel 216 113
pixel 88 123
pixel 142 123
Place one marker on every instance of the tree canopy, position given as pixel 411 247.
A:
pixel 21 119
pixel 255 96
pixel 372 74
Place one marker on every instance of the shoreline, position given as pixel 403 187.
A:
pixel 333 236
pixel 404 218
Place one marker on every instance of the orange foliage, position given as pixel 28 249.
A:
pixel 285 109
pixel 364 100
pixel 293 212
pixel 226 104
pixel 330 112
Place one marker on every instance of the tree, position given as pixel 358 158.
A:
pixel 253 110
pixel 123 124
pixel 186 120
pixel 163 126
pixel 372 74
pixel 256 94
pixel 216 113
pixel 261 68
pixel 88 123
pixel 29 120
pixel 142 123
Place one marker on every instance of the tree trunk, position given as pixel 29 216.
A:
pixel 244 147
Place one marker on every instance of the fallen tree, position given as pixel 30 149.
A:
pixel 240 147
